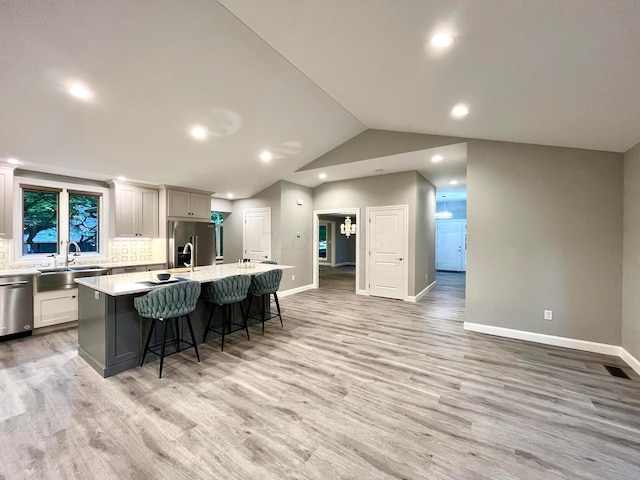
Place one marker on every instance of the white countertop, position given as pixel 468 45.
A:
pixel 128 283
pixel 18 271
pixel 34 270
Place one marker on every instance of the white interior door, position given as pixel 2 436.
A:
pixel 451 245
pixel 257 233
pixel 387 239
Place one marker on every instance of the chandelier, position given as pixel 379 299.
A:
pixel 348 228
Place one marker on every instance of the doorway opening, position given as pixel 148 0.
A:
pixel 451 239
pixel 336 256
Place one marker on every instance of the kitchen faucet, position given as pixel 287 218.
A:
pixel 188 248
pixel 68 251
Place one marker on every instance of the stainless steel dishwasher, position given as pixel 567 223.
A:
pixel 16 305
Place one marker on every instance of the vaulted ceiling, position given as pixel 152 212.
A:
pixel 300 77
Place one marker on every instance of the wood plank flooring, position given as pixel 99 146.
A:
pixel 351 388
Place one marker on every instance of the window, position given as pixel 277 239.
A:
pixel 40 221
pixel 218 219
pixel 52 215
pixel 83 220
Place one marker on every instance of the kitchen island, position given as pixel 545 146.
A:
pixel 111 333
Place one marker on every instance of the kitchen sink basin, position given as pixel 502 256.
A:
pixel 46 271
pixel 63 278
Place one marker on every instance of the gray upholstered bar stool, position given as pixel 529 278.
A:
pixel 226 293
pixel 166 303
pixel 264 285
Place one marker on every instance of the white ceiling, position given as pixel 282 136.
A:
pixel 452 167
pixel 299 77
pixel 552 72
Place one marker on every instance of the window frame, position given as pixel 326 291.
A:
pixel 23 182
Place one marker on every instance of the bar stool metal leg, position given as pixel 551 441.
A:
pixel 146 344
pixel 206 331
pixel 164 343
pixel 193 337
pixel 275 296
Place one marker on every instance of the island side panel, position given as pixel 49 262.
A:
pixel 92 327
pixel 124 334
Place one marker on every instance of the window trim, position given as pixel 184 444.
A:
pixel 21 183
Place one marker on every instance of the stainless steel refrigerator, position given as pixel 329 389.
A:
pixel 201 234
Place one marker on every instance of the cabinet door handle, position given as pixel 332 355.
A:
pixel 10 284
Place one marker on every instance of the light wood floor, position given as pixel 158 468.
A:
pixel 352 387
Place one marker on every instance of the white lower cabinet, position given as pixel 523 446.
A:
pixel 52 308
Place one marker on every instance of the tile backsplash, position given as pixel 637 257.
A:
pixel 5 249
pixel 124 251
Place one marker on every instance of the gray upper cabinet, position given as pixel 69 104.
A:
pixel 182 204
pixel 6 201
pixel 136 211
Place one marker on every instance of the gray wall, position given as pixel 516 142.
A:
pixel 545 232
pixel 631 255
pixel 425 248
pixel 293 250
pixel 382 190
pixel 287 220
pixel 269 197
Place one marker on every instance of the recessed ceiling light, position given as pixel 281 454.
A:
pixel 442 40
pixel 79 91
pixel 453 182
pixel 229 195
pixel 265 156
pixel 459 111
pixel 14 161
pixel 436 158
pixel 121 178
pixel 322 176
pixel 198 132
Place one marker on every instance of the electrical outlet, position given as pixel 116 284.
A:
pixel 548 315
pixel 293 277
pixel 426 277
pixel 96 295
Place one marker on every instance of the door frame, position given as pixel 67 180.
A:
pixel 405 266
pixel 355 214
pixel 331 259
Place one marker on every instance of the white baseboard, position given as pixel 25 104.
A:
pixel 630 360
pixel 585 345
pixel 291 291
pixel 595 347
pixel 362 292
pixel 417 297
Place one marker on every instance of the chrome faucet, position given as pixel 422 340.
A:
pixel 68 251
pixel 188 248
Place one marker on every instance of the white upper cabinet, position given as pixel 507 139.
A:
pixel 6 201
pixel 136 211
pixel 192 205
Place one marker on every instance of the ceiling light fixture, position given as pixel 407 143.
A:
pixel 437 158
pixel 442 40
pixel 322 176
pixel 121 178
pixel 459 111
pixel 79 91
pixel 453 182
pixel 229 195
pixel 14 161
pixel 266 156
pixel 198 132
pixel 348 228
